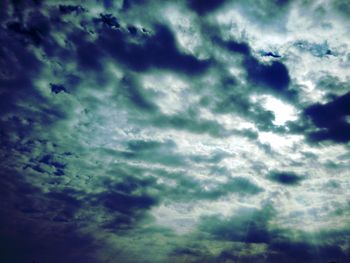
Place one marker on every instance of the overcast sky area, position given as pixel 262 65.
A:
pixel 139 131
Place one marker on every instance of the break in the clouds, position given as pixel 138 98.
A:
pixel 174 131
pixel 285 178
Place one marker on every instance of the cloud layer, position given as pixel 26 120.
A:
pixel 174 131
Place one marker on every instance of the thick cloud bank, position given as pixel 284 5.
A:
pixel 174 131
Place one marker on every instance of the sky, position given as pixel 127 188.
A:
pixel 136 131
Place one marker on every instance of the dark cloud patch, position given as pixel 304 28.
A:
pixel 20 68
pixel 131 94
pixel 270 77
pixel 57 88
pixel 229 99
pixel 136 95
pixel 16 76
pixel 145 146
pixel 330 119
pixel 37 241
pixel 242 48
pixel 270 54
pixel 233 46
pixel 153 152
pixel 191 121
pixel 248 225
pixel 274 76
pixel 32 34
pixel 12 184
pixel 232 103
pixel 4 10
pixel 37 226
pixel 107 4
pixel 161 152
pixel 88 55
pixel 248 133
pixel 154 51
pixel 136 49
pixel 51 161
pixel 204 7
pixel 303 251
pixel 285 178
pixel 129 4
pixel 186 187
pixel 282 2
pixel 64 204
pixel 35 29
pixel 242 186
pixel 132 30
pixel 125 203
pixel 253 226
pixel 188 252
pixel 342 6
pixel 262 118
pixel 332 85
pixel 68 9
pixel 263 78
pixel 192 124
pixel 127 200
pixel 65 196
pixel 33 204
pixel 109 20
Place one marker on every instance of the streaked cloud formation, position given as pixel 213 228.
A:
pixel 174 131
